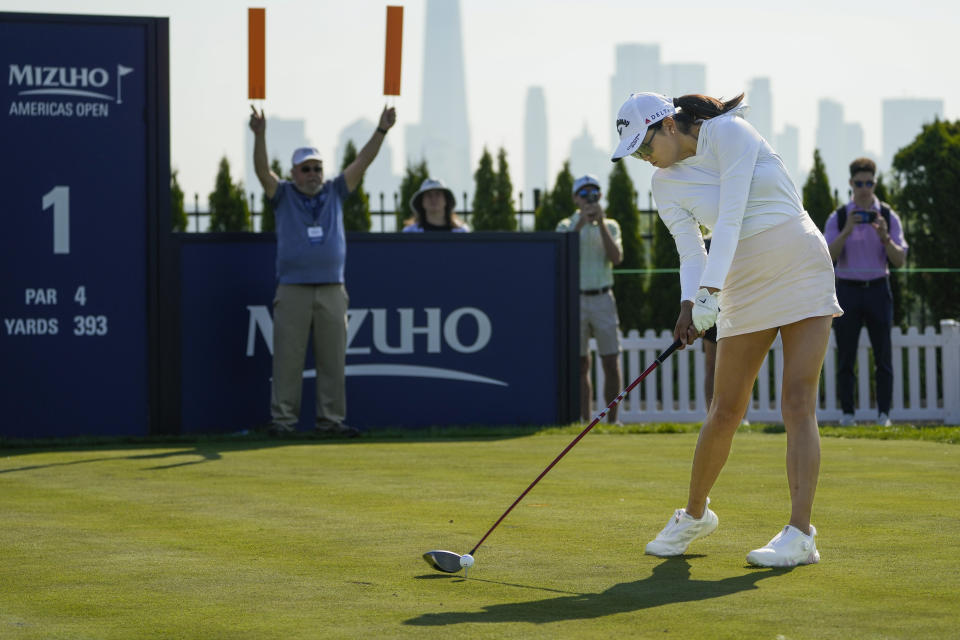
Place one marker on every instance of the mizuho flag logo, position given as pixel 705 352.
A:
pixel 68 91
pixel 66 81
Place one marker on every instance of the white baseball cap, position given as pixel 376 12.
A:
pixel 634 118
pixel 306 153
pixel 583 181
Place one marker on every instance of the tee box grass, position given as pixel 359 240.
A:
pixel 253 538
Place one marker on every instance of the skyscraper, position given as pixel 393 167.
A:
pixel 852 149
pixel 442 136
pixel 637 69
pixel 586 157
pixel 534 143
pixel 679 79
pixel 379 177
pixel 788 147
pixel 831 136
pixel 283 136
pixel 760 100
pixel 903 119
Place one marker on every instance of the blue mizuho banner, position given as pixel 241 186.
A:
pixel 85 138
pixel 450 329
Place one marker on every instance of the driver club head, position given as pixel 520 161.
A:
pixel 446 561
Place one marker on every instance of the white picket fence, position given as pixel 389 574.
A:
pixel 927 391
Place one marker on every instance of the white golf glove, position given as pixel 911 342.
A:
pixel 705 310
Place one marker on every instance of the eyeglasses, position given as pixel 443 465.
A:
pixel 645 148
pixel 862 183
pixel 587 191
pixel 307 169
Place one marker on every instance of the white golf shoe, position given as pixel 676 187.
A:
pixel 681 530
pixel 788 548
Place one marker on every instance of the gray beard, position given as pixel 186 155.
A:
pixel 307 190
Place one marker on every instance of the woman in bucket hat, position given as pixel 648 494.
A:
pixel 768 272
pixel 433 209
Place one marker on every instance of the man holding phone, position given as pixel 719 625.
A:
pixel 601 249
pixel 864 236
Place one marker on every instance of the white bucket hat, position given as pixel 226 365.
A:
pixel 635 116
pixel 431 184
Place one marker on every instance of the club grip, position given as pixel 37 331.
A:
pixel 666 353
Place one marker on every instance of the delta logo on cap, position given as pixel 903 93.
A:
pixel 642 109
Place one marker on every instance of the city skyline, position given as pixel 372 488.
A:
pixel 325 66
pixel 637 64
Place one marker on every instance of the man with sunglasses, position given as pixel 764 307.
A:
pixel 311 255
pixel 601 249
pixel 863 236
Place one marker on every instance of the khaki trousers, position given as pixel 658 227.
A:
pixel 297 308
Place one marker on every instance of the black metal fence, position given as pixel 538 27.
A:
pixel 385 220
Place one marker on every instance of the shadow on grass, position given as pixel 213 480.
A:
pixel 200 448
pixel 668 584
pixel 199 455
pixel 458 578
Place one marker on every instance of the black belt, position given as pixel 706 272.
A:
pixel 594 292
pixel 864 284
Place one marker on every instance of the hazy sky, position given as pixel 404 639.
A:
pixel 325 64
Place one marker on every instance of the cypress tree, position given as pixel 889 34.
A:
pixel 356 208
pixel 178 215
pixel 268 218
pixel 544 216
pixel 556 204
pixel 483 215
pixel 504 214
pixel 817 197
pixel 628 288
pixel 229 210
pixel 663 292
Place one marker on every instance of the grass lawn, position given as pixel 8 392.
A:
pixel 260 539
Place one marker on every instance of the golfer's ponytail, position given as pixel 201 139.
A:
pixel 695 106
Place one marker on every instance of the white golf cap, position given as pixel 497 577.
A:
pixel 635 117
pixel 306 153
pixel 583 181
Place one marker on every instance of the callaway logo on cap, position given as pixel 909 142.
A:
pixel 641 109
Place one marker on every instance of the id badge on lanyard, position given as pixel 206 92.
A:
pixel 315 231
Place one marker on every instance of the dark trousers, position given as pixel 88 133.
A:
pixel 870 305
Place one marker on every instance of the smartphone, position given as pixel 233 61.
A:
pixel 864 216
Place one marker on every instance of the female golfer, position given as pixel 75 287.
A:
pixel 768 271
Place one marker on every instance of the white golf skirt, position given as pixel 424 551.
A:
pixel 780 276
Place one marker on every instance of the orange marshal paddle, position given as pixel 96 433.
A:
pixel 394 51
pixel 257 54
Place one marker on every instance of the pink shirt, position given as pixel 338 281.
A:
pixel 864 256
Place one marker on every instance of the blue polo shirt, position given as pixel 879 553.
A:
pixel 302 259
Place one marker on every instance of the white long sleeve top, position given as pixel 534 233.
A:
pixel 736 186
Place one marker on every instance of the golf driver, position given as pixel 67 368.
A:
pixel 450 562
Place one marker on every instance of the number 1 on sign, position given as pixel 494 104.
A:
pixel 59 199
